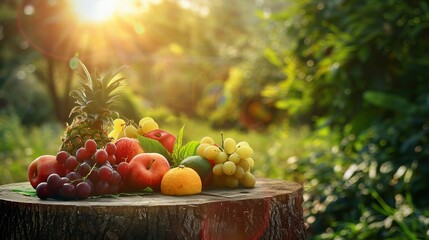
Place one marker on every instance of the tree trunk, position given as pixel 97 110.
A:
pixel 271 210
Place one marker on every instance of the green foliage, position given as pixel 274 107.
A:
pixel 339 50
pixel 19 145
pixel 358 70
pixel 17 99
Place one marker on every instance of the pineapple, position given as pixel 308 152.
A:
pixel 92 115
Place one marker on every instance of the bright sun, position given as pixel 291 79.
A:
pixel 94 10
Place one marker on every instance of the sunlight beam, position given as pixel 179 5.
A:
pixel 94 10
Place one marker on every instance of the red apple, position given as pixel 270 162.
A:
pixel 165 138
pixel 147 170
pixel 126 149
pixel 43 166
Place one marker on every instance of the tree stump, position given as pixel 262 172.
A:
pixel 271 210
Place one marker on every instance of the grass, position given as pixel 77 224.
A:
pixel 19 145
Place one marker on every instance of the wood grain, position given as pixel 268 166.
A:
pixel 271 210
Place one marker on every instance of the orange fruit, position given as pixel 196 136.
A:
pixel 181 180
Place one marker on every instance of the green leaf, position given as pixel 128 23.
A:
pixel 272 57
pixel 388 101
pixel 150 145
pixel 28 191
pixel 189 149
pixel 177 145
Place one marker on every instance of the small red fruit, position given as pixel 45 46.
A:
pixel 82 154
pixel 126 149
pixel 123 169
pixel 62 157
pixel 91 146
pixel 101 156
pixel 110 148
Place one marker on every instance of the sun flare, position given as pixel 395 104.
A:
pixel 94 10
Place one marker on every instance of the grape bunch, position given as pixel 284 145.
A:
pixel 91 172
pixel 233 162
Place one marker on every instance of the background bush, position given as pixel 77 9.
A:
pixel 357 68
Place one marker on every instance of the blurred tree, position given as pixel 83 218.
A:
pixel 342 50
pixel 357 70
pixel 175 48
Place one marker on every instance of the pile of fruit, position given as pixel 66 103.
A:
pixel 101 156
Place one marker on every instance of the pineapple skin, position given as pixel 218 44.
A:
pixel 79 132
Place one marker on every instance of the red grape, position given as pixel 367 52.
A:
pixel 54 182
pixel 90 161
pixel 115 178
pixel 82 154
pixel 73 176
pixel 84 169
pixel 101 188
pixel 72 163
pixel 89 182
pixel 91 146
pixel 67 191
pixel 42 190
pixel 65 180
pixel 123 169
pixel 62 157
pixel 110 148
pixel 83 190
pixel 112 159
pixel 104 173
pixel 101 156
pixel 93 176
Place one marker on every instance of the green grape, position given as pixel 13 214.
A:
pixel 244 151
pixel 201 148
pixel 207 139
pixel 145 119
pixel 148 126
pixel 239 172
pixel 231 182
pixel 251 162
pixel 130 131
pixel 235 158
pixel 242 144
pixel 211 152
pixel 244 164
pixel 221 157
pixel 248 180
pixel 229 145
pixel 218 169
pixel 229 168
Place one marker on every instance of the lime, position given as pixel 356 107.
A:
pixel 201 165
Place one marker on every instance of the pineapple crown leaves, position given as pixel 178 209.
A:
pixel 96 94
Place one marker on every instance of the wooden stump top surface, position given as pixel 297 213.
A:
pixel 271 210
pixel 265 188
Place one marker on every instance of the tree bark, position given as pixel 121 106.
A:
pixel 271 210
